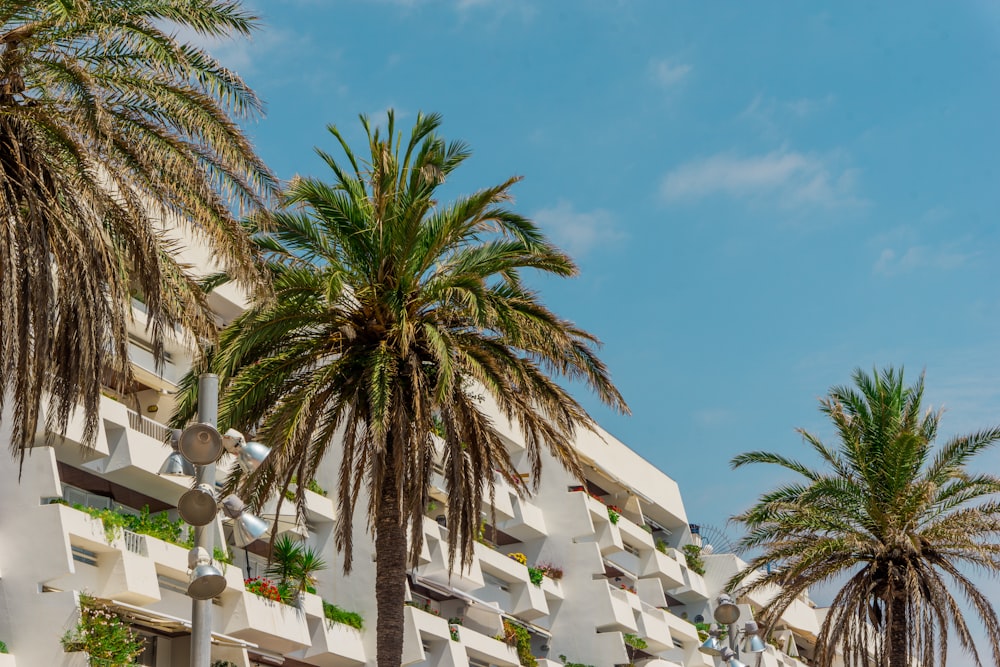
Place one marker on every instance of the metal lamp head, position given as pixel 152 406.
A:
pixel 198 506
pixel 252 454
pixel 729 658
pixel 753 642
pixel 726 611
pixel 200 444
pixel 176 465
pixel 246 527
pixel 712 645
pixel 206 581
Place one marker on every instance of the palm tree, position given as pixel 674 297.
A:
pixel 900 522
pixel 111 129
pixel 394 315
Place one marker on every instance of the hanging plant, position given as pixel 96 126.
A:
pixel 101 633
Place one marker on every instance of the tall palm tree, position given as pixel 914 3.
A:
pixel 111 128
pixel 395 314
pixel 901 522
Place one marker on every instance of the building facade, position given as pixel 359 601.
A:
pixel 589 572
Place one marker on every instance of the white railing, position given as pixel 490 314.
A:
pixel 147 426
pixel 134 542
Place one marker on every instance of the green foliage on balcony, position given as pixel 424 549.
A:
pixel 3 647
pixel 335 614
pixel 692 554
pixel 567 663
pixel 157 525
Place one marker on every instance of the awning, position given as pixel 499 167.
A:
pixel 165 623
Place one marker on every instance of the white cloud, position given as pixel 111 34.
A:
pixel 789 179
pixel 668 72
pixel 891 262
pixel 578 232
pixel 241 54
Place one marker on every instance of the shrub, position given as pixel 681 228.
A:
pixel 661 546
pixel 535 575
pixel 103 635
pixel 613 515
pixel 3 647
pixel 634 641
pixel 335 614
pixel 692 554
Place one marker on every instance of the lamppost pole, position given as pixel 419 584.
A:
pixel 201 610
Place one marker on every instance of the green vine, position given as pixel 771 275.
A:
pixel 692 554
pixel 103 635
pixel 518 636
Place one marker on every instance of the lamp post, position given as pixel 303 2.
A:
pixel 202 445
pixel 728 614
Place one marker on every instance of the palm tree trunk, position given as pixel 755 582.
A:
pixel 898 639
pixel 390 578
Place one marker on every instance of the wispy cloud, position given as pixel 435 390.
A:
pixel 911 247
pixel 578 232
pixel 242 54
pixel 668 72
pixel 788 179
pixel 893 262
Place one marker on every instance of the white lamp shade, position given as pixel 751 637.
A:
pixel 248 528
pixel 252 454
pixel 177 466
pixel 753 644
pixel 711 646
pixel 200 444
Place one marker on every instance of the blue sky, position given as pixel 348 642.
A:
pixel 762 196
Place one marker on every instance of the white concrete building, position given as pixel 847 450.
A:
pixel 624 594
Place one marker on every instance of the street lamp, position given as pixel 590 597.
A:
pixel 201 444
pixel 728 613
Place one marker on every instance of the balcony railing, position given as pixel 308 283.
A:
pixel 134 542
pixel 147 426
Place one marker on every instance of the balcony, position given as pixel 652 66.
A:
pixel 528 522
pixel 331 644
pixel 275 627
pixel 424 632
pixel 111 571
pixel 612 609
pixel 664 567
pixel 634 534
pixel 694 589
pixel 655 629
pixel 486 649
pixel 334 645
